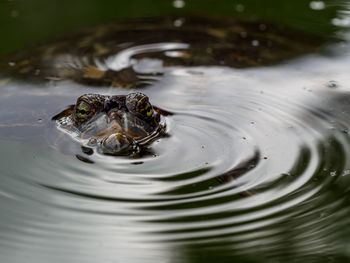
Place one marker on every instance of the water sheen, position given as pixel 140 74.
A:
pixel 255 168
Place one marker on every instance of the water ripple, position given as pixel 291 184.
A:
pixel 252 157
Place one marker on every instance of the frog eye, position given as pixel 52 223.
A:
pixel 83 110
pixel 139 103
pixel 145 109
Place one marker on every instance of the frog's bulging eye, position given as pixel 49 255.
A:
pixel 146 109
pixel 83 110
pixel 139 103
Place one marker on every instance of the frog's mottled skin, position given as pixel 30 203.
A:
pixel 116 124
pixel 87 56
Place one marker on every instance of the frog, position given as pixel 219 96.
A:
pixel 114 124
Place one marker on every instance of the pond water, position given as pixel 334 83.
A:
pixel 255 167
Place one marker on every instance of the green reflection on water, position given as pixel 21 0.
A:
pixel 26 22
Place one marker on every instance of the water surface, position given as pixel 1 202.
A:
pixel 255 168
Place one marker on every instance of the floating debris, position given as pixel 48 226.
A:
pixel 317 5
pixel 332 84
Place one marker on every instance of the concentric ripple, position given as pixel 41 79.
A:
pixel 255 164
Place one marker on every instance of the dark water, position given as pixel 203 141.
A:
pixel 276 136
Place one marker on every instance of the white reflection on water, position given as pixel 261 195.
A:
pixel 85 229
pixel 57 208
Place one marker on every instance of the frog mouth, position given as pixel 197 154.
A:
pixel 118 134
pixel 114 122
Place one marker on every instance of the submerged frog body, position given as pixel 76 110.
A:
pixel 115 124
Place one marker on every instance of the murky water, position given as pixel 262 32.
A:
pixel 255 168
